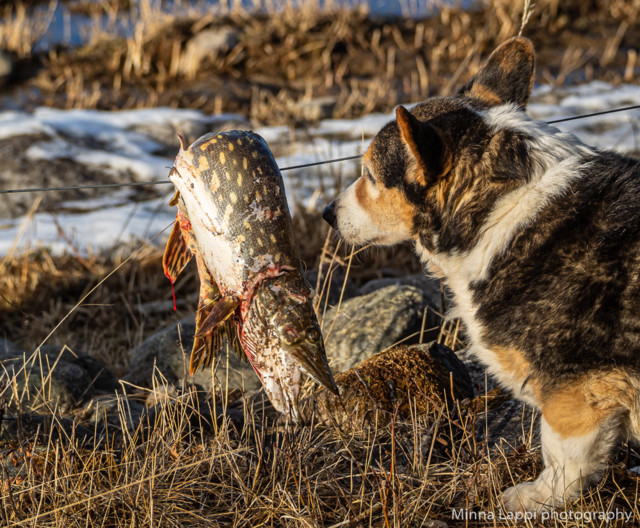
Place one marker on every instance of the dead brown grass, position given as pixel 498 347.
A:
pixel 286 56
pixel 190 462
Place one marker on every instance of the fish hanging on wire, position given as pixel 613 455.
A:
pixel 234 219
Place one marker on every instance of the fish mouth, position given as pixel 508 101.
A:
pixel 315 365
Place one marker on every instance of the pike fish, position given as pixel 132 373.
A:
pixel 234 219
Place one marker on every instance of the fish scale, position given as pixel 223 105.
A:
pixel 257 220
pixel 234 218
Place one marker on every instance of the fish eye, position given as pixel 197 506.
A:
pixel 313 335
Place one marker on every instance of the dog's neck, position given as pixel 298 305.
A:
pixel 555 158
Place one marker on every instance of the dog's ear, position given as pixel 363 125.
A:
pixel 507 77
pixel 426 145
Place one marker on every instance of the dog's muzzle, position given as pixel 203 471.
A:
pixel 329 214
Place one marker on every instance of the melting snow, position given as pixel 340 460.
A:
pixel 122 143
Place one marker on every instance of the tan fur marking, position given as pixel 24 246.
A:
pixel 577 408
pixel 389 208
pixel 486 94
pixel 513 362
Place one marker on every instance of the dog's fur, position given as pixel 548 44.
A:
pixel 538 238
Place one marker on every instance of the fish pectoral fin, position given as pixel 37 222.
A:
pixel 220 312
pixel 210 338
pixel 176 254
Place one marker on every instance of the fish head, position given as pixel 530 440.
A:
pixel 287 310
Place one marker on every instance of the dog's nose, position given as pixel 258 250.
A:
pixel 329 214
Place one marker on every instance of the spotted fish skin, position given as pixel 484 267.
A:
pixel 235 179
pixel 233 216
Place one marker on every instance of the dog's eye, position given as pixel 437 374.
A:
pixel 368 175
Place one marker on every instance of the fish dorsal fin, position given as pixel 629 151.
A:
pixel 176 254
pixel 214 325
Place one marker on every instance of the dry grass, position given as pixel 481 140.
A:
pixel 189 464
pixel 287 55
pixel 202 460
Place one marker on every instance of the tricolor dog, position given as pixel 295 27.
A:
pixel 538 237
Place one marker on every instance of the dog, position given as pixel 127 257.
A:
pixel 537 236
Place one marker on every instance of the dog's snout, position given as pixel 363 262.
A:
pixel 329 214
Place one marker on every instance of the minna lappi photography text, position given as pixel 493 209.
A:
pixel 577 516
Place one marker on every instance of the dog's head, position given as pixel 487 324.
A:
pixel 436 159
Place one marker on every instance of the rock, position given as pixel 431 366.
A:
pixel 9 349
pixel 414 379
pixel 20 427
pixel 507 419
pixel 102 379
pixel 55 376
pixel 371 323
pixel 207 45
pixel 331 292
pixel 480 377
pixel 113 413
pixel 429 285
pixel 512 422
pixel 169 351
pixel 315 109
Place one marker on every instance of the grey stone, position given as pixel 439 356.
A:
pixel 509 420
pixel 20 427
pixel 480 377
pixel 41 388
pixel 315 109
pixel 102 379
pixel 332 291
pixel 9 349
pixel 429 285
pixel 512 423
pixel 169 351
pixel 371 323
pixel 115 413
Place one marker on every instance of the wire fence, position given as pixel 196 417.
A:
pixel 282 169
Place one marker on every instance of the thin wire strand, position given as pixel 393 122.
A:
pixel 283 169
pixel 156 182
